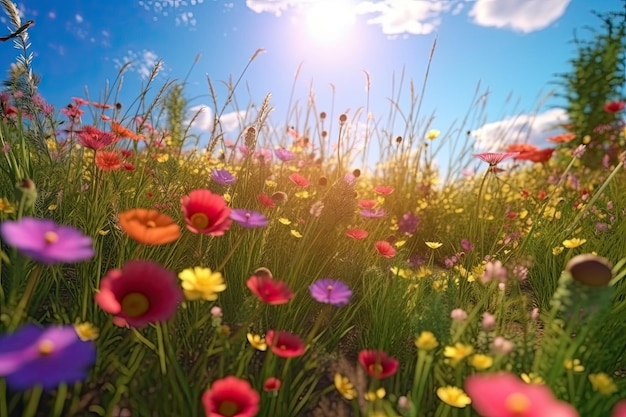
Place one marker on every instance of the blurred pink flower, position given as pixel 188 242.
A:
pixel 505 395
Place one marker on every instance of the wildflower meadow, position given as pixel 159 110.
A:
pixel 145 272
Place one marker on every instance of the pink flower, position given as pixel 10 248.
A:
pixel 505 395
pixel 385 249
pixel 356 233
pixel 299 180
pixel 271 384
pixel 141 292
pixel 231 397
pixel 494 158
pixel 383 189
pixel 285 344
pixel 377 364
pixel 620 409
pixel 206 212
pixel 268 289
pixel 94 138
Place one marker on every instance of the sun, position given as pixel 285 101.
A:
pixel 329 20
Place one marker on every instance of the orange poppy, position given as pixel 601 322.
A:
pixel 521 147
pixel 124 132
pixel 149 227
pixel 562 138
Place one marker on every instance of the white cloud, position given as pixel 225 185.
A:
pixel 79 18
pixel 203 117
pixel 418 17
pixel 178 9
pixel 233 121
pixel 143 63
pixel 524 128
pixel 276 7
pixel 521 15
pixel 52 14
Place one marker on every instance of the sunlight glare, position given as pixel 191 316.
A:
pixel 329 20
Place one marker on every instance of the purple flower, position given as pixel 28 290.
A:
pixel 373 213
pixel 408 223
pixel 49 356
pixel 284 155
pixel 47 242
pixel 249 219
pixel 330 291
pixel 467 245
pixel 222 176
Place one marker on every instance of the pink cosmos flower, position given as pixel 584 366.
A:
pixel 494 158
pixel 356 233
pixel 141 292
pixel 383 189
pixel 505 395
pixel 93 138
pixel 299 180
pixel 206 212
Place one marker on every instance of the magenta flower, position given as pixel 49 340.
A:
pixel 50 356
pixel 330 291
pixel 222 176
pixel 93 138
pixel 284 155
pixel 47 242
pixel 494 158
pixel 248 219
pixel 373 213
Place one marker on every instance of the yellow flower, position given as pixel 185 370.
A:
pixel 557 250
pixel 434 245
pixel 402 273
pixel 227 197
pixel 457 353
pixel 295 233
pixel 164 157
pixel 453 396
pixel 6 207
pixel 202 283
pixel 379 394
pixel 284 221
pixel 432 134
pixel 573 242
pixel 86 331
pixel 423 272
pixel 574 365
pixel 531 378
pixel 345 387
pixel 426 341
pixel 103 232
pixel 602 383
pixel 399 243
pixel 481 362
pixel 302 194
pixel 270 183
pixel 257 342
pixel 52 207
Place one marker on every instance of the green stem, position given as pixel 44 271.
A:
pixel 59 401
pixel 28 292
pixel 161 345
pixel 4 411
pixel 33 402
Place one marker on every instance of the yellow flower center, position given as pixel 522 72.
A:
pixel 228 408
pixel 375 369
pixel 50 237
pixel 150 224
pixel 135 304
pixel 45 347
pixel 199 220
pixel 517 403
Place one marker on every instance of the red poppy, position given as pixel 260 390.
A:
pixel 284 344
pixel 385 249
pixel 299 180
pixel 139 293
pixel 271 384
pixel 614 106
pixel 356 233
pixel 266 200
pixel 206 212
pixel 521 147
pixel 367 204
pixel 269 290
pixel 108 160
pixel 231 397
pixel 562 138
pixel 383 189
pixel 542 155
pixel 377 364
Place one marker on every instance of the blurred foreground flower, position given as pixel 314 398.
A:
pixel 330 291
pixel 44 356
pixel 232 397
pixel 141 292
pixel 46 242
pixel 505 395
pixel 202 283
pixel 206 212
pixel 377 364
pixel 248 219
pixel 149 227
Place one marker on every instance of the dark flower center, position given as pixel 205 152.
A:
pixel 228 408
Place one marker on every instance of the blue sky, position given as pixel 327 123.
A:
pixel 512 48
